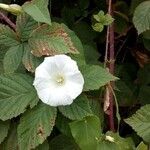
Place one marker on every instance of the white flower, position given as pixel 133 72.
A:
pixel 109 138
pixel 58 80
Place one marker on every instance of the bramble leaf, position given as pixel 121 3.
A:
pixel 35 126
pixel 38 9
pixel 16 93
pixel 51 40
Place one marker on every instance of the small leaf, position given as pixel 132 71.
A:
pixel 7 36
pixel 95 77
pixel 51 40
pixel 38 9
pixel 24 26
pixel 16 93
pixel 86 132
pixel 79 109
pixel 140 122
pixel 13 58
pixel 29 60
pixel 4 127
pixel 98 27
pixel 62 142
pixel 141 18
pixel 35 126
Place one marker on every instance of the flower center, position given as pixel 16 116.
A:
pixel 59 79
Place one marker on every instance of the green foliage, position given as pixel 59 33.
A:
pixel 95 77
pixel 24 26
pixel 102 20
pixel 4 127
pixel 80 105
pixel 142 146
pixel 62 142
pixel 16 93
pixel 13 58
pixel 141 17
pixel 86 132
pixel 8 36
pixel 38 10
pixel 50 40
pixel 35 126
pixel 140 122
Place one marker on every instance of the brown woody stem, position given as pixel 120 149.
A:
pixel 7 20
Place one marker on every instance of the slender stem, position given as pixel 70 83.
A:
pixel 7 20
pixel 111 67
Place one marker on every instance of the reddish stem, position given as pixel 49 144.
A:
pixel 111 67
pixel 7 20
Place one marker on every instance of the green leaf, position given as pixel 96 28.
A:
pixel 35 126
pixel 16 93
pixel 140 122
pixel 24 26
pixel 44 146
pixel 86 132
pixel 4 127
pixel 29 60
pixel 141 18
pixel 146 43
pixel 62 142
pixel 11 142
pixel 79 109
pixel 62 123
pixel 142 146
pixel 13 58
pixel 51 40
pixel 7 36
pixel 95 77
pixel 98 27
pixel 38 9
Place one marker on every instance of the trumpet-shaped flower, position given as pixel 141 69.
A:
pixel 58 80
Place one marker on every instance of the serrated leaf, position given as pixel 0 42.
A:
pixel 79 109
pixel 7 36
pixel 35 126
pixel 38 9
pixel 24 26
pixel 29 60
pixel 51 40
pixel 86 132
pixel 141 18
pixel 16 93
pixel 95 77
pixel 62 142
pixel 140 122
pixel 4 127
pixel 12 58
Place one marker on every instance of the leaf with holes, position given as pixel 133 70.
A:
pixel 29 60
pixel 12 58
pixel 16 93
pixel 38 9
pixel 95 77
pixel 7 36
pixel 51 40
pixel 4 127
pixel 35 126
pixel 79 109
pixel 24 26
pixel 141 18
pixel 140 122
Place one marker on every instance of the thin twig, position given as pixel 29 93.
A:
pixel 7 20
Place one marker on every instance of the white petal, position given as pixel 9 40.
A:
pixel 47 86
